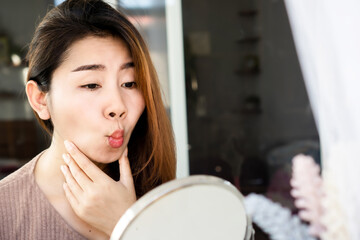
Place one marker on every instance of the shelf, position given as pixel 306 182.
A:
pixel 251 112
pixel 248 13
pixel 251 105
pixel 250 39
pixel 7 95
pixel 247 73
pixel 250 65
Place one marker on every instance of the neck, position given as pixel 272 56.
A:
pixel 50 180
pixel 47 169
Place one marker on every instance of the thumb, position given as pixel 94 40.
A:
pixel 126 177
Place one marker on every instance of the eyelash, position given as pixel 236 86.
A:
pixel 93 86
pixel 133 85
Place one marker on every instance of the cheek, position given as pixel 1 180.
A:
pixel 69 113
pixel 140 103
pixel 136 108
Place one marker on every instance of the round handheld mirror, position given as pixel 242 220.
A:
pixel 196 207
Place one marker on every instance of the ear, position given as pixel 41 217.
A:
pixel 37 100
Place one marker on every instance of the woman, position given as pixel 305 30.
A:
pixel 94 89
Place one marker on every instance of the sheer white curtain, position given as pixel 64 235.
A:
pixel 327 38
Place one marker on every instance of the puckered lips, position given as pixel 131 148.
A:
pixel 116 139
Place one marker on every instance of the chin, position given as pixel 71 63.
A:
pixel 106 158
pixel 103 154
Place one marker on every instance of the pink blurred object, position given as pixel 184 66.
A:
pixel 307 189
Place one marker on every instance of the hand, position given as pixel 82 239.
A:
pixel 95 197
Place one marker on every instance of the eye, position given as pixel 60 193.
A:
pixel 91 86
pixel 129 85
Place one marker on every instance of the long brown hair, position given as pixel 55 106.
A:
pixel 151 146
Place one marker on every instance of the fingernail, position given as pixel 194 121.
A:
pixel 66 158
pixel 68 145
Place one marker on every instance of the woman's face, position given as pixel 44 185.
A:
pixel 94 100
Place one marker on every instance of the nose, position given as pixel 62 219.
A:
pixel 115 106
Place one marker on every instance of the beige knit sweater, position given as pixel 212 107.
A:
pixel 25 212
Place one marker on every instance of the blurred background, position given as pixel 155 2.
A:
pixel 235 79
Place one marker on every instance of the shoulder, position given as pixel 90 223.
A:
pixel 18 177
pixel 17 185
pixel 25 213
pixel 15 195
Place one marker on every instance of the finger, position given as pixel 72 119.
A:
pixel 125 171
pixel 71 182
pixel 91 170
pixel 77 174
pixel 70 196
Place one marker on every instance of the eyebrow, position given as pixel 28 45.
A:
pixel 89 67
pixel 94 67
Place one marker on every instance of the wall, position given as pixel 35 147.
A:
pixel 221 134
pixel 17 22
pixel 214 118
pixel 18 19
pixel 286 111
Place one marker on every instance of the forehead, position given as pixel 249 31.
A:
pixel 96 48
pixel 109 52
